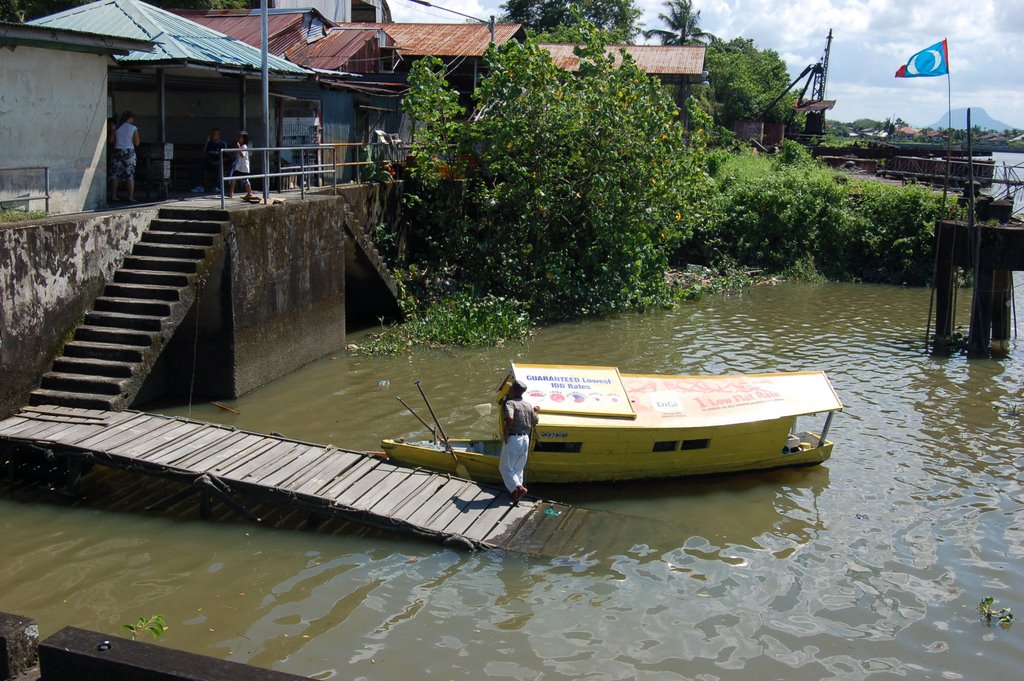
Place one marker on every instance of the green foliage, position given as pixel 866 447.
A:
pixel 435 108
pixel 744 80
pixel 585 183
pixel 682 25
pixel 17 214
pixel 788 214
pixel 155 626
pixel 547 19
pixel 462 318
pixel 987 608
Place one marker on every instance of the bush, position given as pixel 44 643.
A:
pixel 455 319
pixel 788 213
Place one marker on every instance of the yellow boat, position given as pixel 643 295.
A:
pixel 599 425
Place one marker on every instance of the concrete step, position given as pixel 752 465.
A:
pixel 93 367
pixel 140 262
pixel 185 238
pixel 61 398
pixel 102 334
pixel 210 214
pixel 144 291
pixel 153 308
pixel 112 352
pixel 170 251
pixel 81 383
pixel 153 278
pixel 118 320
pixel 194 226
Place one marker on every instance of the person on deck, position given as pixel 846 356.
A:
pixel 520 420
pixel 126 138
pixel 240 166
pixel 211 163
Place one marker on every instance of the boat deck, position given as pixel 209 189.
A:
pixel 238 467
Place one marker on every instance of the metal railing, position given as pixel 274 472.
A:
pixel 319 171
pixel 46 186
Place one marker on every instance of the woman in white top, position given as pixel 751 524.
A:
pixel 126 138
pixel 240 166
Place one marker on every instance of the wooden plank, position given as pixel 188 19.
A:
pixel 328 474
pixel 535 529
pixel 115 420
pixel 180 432
pixel 123 431
pixel 355 483
pixel 560 540
pixel 475 510
pixel 132 435
pixel 490 518
pixel 454 508
pixel 444 495
pixel 152 439
pixel 416 481
pixel 11 425
pixel 302 459
pixel 39 430
pixel 382 489
pixel 208 459
pixel 317 469
pixel 506 526
pixel 65 411
pixel 274 456
pixel 257 448
pixel 208 439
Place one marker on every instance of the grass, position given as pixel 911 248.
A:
pixel 17 214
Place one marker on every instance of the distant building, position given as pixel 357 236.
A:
pixel 343 11
pixel 673 65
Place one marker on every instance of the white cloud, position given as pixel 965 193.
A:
pixel 872 39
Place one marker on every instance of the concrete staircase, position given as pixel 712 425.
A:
pixel 115 347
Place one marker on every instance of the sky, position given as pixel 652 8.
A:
pixel 871 39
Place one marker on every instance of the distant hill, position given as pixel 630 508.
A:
pixel 979 118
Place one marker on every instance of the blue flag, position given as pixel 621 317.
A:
pixel 931 61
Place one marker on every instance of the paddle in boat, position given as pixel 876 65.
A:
pixel 599 425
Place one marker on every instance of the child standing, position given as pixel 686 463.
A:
pixel 240 166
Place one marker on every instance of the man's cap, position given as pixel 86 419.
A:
pixel 519 385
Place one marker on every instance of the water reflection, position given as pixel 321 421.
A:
pixel 867 567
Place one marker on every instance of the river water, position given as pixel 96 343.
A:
pixel 868 567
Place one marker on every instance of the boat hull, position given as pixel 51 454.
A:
pixel 561 467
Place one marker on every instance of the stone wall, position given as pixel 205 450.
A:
pixel 50 273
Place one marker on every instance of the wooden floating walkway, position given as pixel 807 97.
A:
pixel 236 466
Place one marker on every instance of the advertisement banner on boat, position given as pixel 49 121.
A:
pixel 714 400
pixel 590 391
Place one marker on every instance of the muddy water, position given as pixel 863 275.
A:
pixel 869 567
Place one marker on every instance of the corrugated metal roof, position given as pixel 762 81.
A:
pixel 176 39
pixel 449 40
pixel 657 60
pixel 284 29
pixel 352 50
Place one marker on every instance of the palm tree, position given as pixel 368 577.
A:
pixel 682 25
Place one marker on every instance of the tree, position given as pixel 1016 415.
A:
pixel 585 183
pixel 682 25
pixel 545 18
pixel 745 80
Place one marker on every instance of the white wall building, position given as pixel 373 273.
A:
pixel 53 115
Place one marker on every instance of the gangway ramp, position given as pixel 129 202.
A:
pixel 241 468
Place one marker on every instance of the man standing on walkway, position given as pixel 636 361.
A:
pixel 520 420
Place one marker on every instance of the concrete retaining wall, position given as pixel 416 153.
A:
pixel 50 272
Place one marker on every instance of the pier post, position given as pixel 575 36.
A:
pixel 945 236
pixel 19 641
pixel 981 312
pixel 1002 296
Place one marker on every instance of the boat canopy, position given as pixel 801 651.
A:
pixel 579 394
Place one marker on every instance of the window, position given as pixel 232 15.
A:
pixel 563 447
pixel 696 444
pixel 665 446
